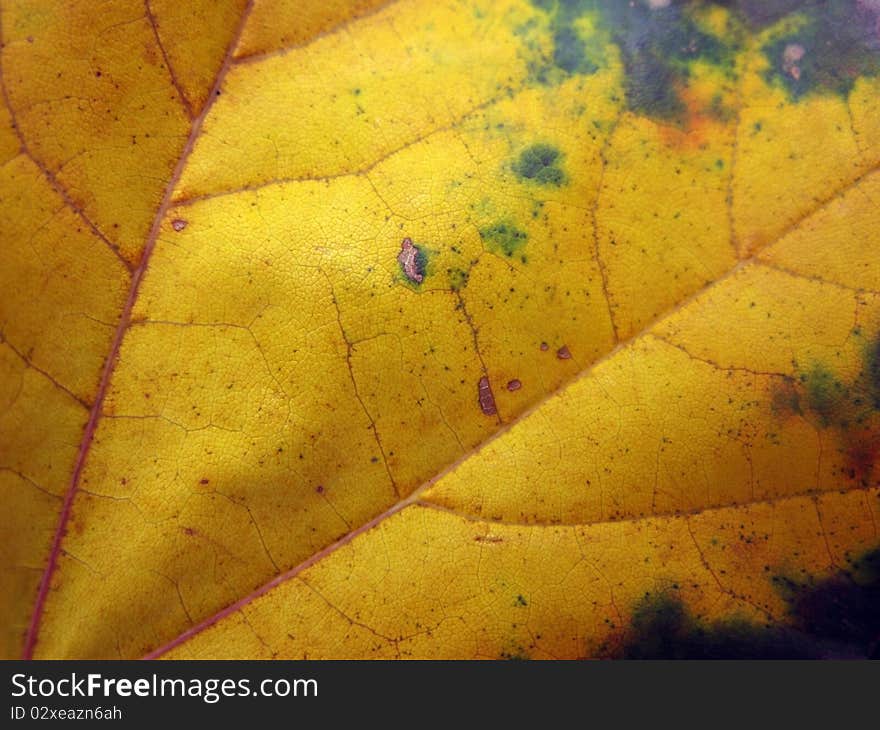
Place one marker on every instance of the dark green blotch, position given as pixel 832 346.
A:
pixel 421 262
pixel 849 406
pixel 656 45
pixel 570 51
pixel 540 163
pixel 843 608
pixel 662 628
pixel 504 237
pixel 872 370
pixel 824 392
pixel 839 403
pixel 834 617
pixel 840 42
pixel 650 88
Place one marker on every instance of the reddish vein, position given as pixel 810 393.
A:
pixel 281 578
pixel 124 321
pixel 174 80
pixel 332 29
pixel 51 178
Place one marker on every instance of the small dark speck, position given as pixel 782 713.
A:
pixel 514 384
pixel 544 347
pixel 204 481
pixel 178 224
pixel 563 353
pixel 320 489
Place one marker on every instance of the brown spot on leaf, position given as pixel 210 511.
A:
pixel 785 400
pixel 487 398
pixel 862 452
pixel 408 258
pixel 791 56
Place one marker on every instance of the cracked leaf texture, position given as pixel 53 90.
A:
pixel 635 352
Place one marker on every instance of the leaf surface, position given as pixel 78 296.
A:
pixel 439 329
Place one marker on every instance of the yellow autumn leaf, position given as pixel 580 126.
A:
pixel 448 328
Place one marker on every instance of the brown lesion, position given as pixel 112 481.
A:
pixel 175 82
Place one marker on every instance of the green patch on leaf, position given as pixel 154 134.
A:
pixel 504 237
pixel 824 392
pixel 832 45
pixel 832 617
pixel 570 51
pixel 821 46
pixel 540 163
pixel 849 407
pixel 872 371
pixel 658 46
